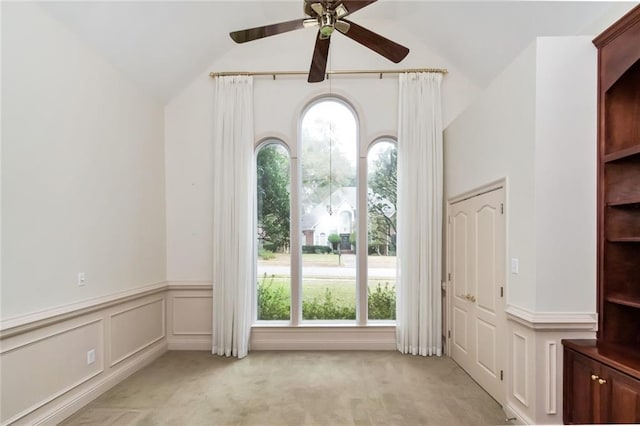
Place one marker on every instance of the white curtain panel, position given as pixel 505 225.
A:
pixel 419 245
pixel 233 178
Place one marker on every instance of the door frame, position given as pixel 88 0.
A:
pixel 501 183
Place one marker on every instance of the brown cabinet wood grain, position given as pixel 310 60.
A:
pixel 596 393
pixel 602 377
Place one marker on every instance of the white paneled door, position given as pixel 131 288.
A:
pixel 477 262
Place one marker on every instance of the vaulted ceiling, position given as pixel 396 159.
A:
pixel 165 45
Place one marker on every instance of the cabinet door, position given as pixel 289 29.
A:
pixel 621 397
pixel 578 388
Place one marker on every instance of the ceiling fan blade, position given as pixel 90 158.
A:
pixel 381 45
pixel 250 34
pixel 353 6
pixel 319 60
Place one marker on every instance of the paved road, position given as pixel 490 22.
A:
pixel 326 271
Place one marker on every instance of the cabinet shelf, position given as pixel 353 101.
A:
pixel 625 300
pixel 622 154
pixel 627 201
pixel 624 240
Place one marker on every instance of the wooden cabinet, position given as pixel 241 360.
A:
pixel 598 393
pixel 602 377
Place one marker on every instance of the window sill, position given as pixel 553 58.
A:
pixel 321 324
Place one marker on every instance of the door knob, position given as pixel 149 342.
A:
pixel 468 297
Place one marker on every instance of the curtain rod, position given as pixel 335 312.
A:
pixel 327 73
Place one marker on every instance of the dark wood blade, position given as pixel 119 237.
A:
pixel 319 60
pixel 383 46
pixel 354 5
pixel 251 34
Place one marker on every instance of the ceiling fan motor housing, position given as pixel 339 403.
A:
pixel 326 24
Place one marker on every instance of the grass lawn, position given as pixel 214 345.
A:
pixel 343 290
pixel 325 274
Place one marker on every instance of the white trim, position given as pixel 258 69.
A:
pixel 520 418
pixel 24 323
pixel 190 344
pixel 524 399
pixel 4 350
pixel 190 285
pixel 67 407
pixel 483 189
pixel 555 321
pixel 343 337
pixel 551 355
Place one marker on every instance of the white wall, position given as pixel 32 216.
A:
pixel 278 105
pixel 565 174
pixel 82 170
pixel 536 126
pixel 495 138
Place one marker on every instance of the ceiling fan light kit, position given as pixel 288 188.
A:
pixel 328 16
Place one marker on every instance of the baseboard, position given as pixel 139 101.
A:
pixel 190 344
pixel 65 407
pixel 516 417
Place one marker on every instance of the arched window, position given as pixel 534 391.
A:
pixel 382 162
pixel 328 201
pixel 273 221
pixel 310 252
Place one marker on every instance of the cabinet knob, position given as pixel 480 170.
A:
pixel 594 377
pixel 602 381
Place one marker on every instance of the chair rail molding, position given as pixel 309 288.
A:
pixel 553 321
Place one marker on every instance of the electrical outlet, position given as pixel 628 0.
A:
pixel 81 279
pixel 91 356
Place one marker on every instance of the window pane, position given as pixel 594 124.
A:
pixel 381 205
pixel 273 220
pixel 328 216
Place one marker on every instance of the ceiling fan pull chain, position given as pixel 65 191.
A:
pixel 330 169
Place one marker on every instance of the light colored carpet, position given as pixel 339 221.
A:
pixel 295 388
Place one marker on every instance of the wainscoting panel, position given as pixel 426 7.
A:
pixel 46 373
pixel 136 328
pixel 189 315
pixel 535 372
pixel 192 315
pixel 60 357
pixel 520 368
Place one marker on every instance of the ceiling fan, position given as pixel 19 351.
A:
pixel 328 15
